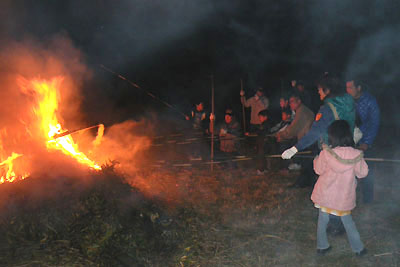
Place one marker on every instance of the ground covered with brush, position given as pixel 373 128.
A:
pixel 186 217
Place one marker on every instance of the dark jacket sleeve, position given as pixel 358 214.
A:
pixel 234 129
pixel 370 125
pixel 318 128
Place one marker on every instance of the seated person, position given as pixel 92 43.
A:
pixel 297 128
pixel 229 130
pixel 198 118
pixel 286 120
pixel 302 121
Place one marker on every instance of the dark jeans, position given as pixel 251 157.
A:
pixel 265 146
pixel 367 183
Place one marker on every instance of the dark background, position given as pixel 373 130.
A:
pixel 172 47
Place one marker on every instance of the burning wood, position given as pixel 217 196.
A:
pixel 58 135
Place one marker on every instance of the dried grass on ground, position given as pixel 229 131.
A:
pixel 187 217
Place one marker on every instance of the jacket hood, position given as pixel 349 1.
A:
pixel 342 159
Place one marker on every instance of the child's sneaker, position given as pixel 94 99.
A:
pixel 361 253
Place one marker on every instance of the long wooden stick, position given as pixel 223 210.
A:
pixel 146 91
pixel 243 109
pixel 212 122
pixel 74 131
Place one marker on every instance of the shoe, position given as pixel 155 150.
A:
pixel 323 251
pixel 361 253
pixel 259 173
pixel 294 167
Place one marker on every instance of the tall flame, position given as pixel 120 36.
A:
pixel 46 111
pixel 45 128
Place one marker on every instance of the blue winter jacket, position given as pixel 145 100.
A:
pixel 319 129
pixel 368 110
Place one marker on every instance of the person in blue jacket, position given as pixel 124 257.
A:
pixel 368 113
pixel 337 106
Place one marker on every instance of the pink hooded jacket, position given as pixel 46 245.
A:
pixel 336 185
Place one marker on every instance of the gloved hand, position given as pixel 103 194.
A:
pixel 256 97
pixel 357 135
pixel 212 117
pixel 223 132
pixel 241 93
pixel 289 153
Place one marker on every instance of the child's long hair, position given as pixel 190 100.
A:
pixel 339 134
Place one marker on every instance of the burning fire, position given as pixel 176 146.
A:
pixel 46 94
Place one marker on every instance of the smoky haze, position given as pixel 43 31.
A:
pixel 172 47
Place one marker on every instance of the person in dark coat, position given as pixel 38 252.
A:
pixel 368 114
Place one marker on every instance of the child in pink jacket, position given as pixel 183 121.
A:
pixel 335 191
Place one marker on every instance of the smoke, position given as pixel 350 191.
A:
pixel 59 63
pixel 123 146
pixel 376 56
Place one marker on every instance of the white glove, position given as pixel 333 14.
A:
pixel 256 97
pixel 212 117
pixel 289 153
pixel 357 135
pixel 241 93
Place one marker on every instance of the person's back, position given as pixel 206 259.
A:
pixel 336 185
pixel 334 193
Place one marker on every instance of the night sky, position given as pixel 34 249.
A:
pixel 172 47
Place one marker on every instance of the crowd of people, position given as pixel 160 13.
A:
pixel 342 128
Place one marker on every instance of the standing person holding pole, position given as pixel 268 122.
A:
pixel 258 102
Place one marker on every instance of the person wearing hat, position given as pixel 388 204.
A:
pixel 257 103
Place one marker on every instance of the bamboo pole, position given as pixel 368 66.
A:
pixel 75 131
pixel 212 122
pixel 146 91
pixel 243 109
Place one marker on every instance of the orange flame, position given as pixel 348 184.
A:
pixel 46 127
pixel 8 165
pixel 46 111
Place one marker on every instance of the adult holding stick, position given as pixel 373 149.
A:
pixel 337 106
pixel 257 103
